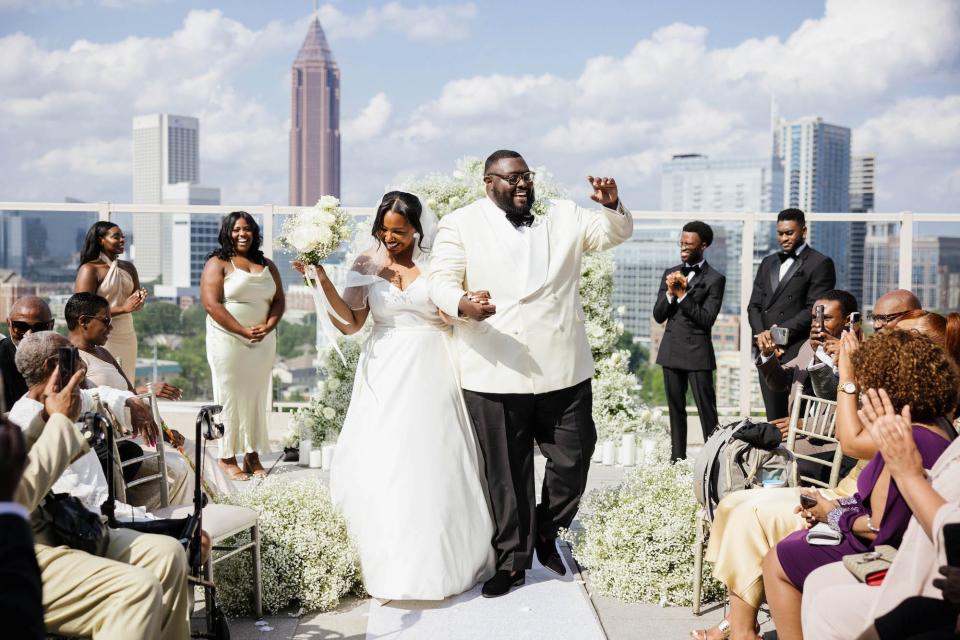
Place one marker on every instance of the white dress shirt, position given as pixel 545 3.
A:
pixel 786 264
pixel 689 280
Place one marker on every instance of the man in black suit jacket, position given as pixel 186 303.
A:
pixel 787 284
pixel 689 301
pixel 21 592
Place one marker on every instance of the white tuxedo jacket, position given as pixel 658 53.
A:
pixel 536 341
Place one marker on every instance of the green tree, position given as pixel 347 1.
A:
pixel 638 354
pixel 296 339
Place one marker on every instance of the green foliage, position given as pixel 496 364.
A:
pixel 637 537
pixel 296 339
pixel 638 354
pixel 307 558
pixel 155 319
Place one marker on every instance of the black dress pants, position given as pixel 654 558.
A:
pixel 507 425
pixel 704 396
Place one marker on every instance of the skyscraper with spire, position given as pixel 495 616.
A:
pixel 314 120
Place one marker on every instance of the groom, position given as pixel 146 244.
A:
pixel 525 360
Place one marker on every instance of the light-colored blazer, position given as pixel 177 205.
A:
pixel 59 443
pixel 536 341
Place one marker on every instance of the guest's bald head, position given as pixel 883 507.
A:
pixel 891 306
pixel 27 315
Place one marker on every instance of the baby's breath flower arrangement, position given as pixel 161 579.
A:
pixel 637 538
pixel 316 232
pixel 306 558
pixel 323 418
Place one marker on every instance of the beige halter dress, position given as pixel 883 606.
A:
pixel 116 287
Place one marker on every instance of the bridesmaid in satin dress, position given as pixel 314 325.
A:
pixel 102 272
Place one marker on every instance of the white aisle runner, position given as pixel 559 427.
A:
pixel 547 607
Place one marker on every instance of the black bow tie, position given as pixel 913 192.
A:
pixel 520 219
pixel 688 269
pixel 787 255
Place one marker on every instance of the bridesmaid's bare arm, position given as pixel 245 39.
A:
pixel 211 296
pixel 278 306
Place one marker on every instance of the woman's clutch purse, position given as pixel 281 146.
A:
pixel 821 534
pixel 870 568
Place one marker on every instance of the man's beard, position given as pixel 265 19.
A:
pixel 505 202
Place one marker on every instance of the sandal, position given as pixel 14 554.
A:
pixel 704 634
pixel 251 465
pixel 233 470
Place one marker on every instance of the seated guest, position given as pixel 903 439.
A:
pixel 85 478
pixel 28 314
pixel 944 330
pixel 88 320
pixel 891 306
pixel 837 606
pixel 137 589
pixel 916 373
pixel 21 595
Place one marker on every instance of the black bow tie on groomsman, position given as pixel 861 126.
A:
pixel 520 219
pixel 787 255
pixel 688 269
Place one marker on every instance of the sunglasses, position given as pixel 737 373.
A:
pixel 106 321
pixel 23 327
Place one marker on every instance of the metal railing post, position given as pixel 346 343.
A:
pixel 746 334
pixel 103 211
pixel 905 262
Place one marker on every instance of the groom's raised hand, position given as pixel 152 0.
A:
pixel 604 191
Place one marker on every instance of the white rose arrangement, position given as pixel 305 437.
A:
pixel 316 232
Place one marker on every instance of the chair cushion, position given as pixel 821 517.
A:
pixel 219 520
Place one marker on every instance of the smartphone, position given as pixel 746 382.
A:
pixel 853 319
pixel 780 335
pixel 951 543
pixel 819 312
pixel 807 502
pixel 67 361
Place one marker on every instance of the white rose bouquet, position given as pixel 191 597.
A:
pixel 316 232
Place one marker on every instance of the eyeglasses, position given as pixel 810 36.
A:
pixel 884 318
pixel 514 178
pixel 688 245
pixel 23 327
pixel 106 321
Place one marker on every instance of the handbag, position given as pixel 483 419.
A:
pixel 871 567
pixel 74 525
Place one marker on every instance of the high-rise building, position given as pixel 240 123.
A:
pixel 314 121
pixel 166 150
pixel 166 170
pixel 640 262
pixel 862 195
pixel 696 183
pixel 816 178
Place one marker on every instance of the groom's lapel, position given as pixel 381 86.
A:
pixel 506 260
pixel 539 255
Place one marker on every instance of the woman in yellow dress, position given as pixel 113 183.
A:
pixel 102 272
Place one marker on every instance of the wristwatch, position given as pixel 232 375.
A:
pixel 847 387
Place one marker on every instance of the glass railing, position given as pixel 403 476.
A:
pixel 40 245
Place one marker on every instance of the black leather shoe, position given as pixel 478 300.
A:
pixel 549 557
pixel 501 583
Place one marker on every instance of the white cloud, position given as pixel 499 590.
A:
pixel 370 122
pixel 423 22
pixel 89 157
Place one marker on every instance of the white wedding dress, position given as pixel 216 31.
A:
pixel 406 471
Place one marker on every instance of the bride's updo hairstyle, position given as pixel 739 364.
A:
pixel 407 205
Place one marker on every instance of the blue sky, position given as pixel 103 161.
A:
pixel 598 87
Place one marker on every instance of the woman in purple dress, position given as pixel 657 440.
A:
pixel 915 373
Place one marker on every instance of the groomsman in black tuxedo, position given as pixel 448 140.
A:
pixel 787 284
pixel 689 301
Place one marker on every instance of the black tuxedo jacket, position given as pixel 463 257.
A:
pixel 687 342
pixel 14 387
pixel 789 302
pixel 21 592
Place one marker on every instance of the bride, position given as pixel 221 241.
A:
pixel 406 470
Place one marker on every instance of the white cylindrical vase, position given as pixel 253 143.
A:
pixel 328 450
pixel 609 452
pixel 628 450
pixel 305 447
pixel 316 458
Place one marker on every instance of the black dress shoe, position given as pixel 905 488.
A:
pixel 549 557
pixel 501 583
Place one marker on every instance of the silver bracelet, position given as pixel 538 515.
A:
pixel 870 525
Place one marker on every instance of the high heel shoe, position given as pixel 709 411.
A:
pixel 251 465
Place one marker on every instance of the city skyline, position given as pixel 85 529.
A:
pixel 426 87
